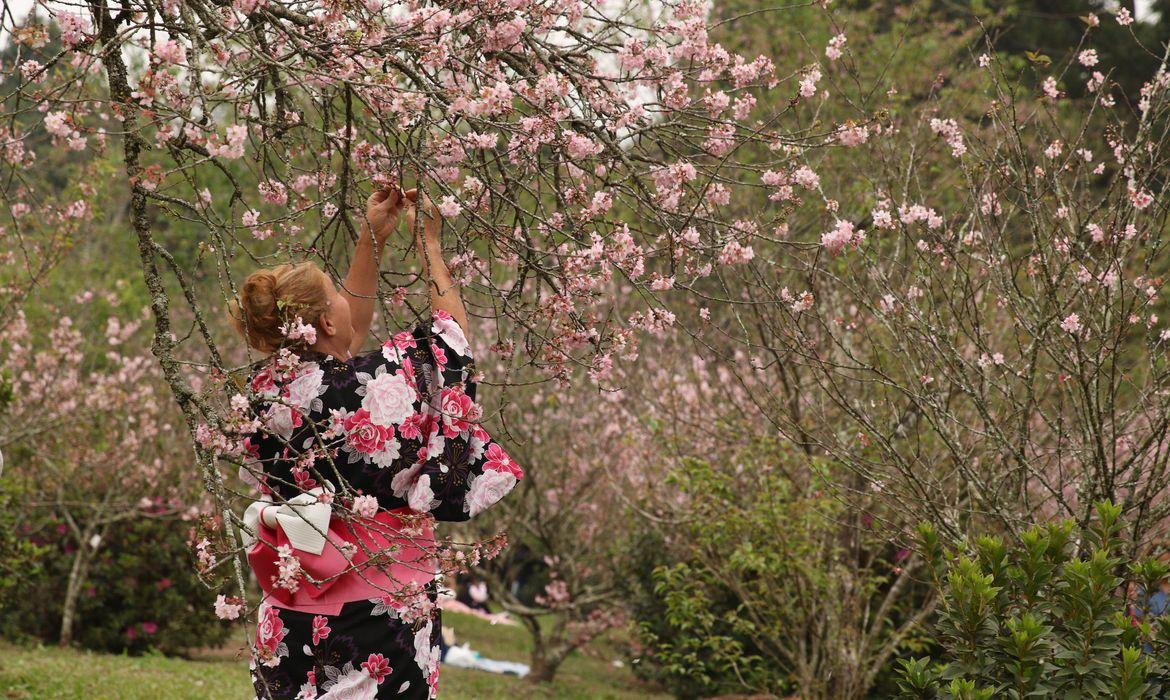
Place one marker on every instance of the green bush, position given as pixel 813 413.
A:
pixel 141 594
pixel 691 656
pixel 19 557
pixel 1047 617
pixel 766 587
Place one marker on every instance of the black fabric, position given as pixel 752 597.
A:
pixel 361 630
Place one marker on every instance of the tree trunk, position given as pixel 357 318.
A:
pixel 77 577
pixel 546 661
pixel 543 669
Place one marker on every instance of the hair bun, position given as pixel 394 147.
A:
pixel 259 312
pixel 259 295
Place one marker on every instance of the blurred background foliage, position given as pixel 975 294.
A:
pixel 790 554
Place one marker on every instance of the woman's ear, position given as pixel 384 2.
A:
pixel 325 325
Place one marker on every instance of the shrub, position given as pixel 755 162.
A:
pixel 19 558
pixel 685 656
pixel 686 638
pixel 1047 617
pixel 768 587
pixel 140 593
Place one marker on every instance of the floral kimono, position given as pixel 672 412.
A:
pixel 399 427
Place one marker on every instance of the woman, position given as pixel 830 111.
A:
pixel 356 455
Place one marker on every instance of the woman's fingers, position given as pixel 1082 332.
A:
pixel 383 208
pixel 389 194
pixel 380 195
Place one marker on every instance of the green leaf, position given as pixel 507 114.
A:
pixel 1038 58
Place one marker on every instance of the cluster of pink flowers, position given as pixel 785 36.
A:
pixel 798 303
pixel 670 180
pixel 840 236
pixel 852 135
pixel 170 51
pixel 232 146
pixel 808 83
pixel 949 130
pixel 60 126
pixel 365 506
pixel 735 253
pixel 297 329
pixel 204 554
pixel 228 608
pixel 833 50
pixel 290 574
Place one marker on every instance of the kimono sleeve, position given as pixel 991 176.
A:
pixel 462 471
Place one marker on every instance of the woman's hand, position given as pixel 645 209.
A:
pixel 383 208
pixel 431 217
pixel 444 292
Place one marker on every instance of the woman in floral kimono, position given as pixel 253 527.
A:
pixel 356 454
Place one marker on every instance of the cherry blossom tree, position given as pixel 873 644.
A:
pixel 824 587
pixel 965 312
pixel 568 145
pixel 564 144
pixel 89 437
pixel 567 515
pixel 920 317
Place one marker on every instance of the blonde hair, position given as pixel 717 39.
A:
pixel 273 296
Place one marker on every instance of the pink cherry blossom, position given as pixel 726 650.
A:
pixel 365 506
pixel 449 207
pixel 226 609
pixel 842 235
pixel 833 50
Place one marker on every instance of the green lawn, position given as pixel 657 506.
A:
pixel 49 672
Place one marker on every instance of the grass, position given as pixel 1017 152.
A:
pixel 28 673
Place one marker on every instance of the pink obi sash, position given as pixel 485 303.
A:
pixel 343 580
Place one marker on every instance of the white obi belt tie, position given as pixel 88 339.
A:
pixel 303 518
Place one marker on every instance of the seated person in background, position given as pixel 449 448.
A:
pixel 473 593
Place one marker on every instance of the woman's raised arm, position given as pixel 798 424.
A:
pixel 361 282
pixel 444 293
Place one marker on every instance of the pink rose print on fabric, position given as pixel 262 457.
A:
pixel 426 655
pixel 440 356
pixel 321 628
pixel 368 439
pixel 458 411
pixel 364 435
pixel 270 633
pixel 282 419
pixel 449 330
pixel 421 496
pixel 412 429
pixel 349 683
pixel 394 350
pixel 264 383
pixel 487 489
pixel 303 391
pixel 309 687
pixel 389 398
